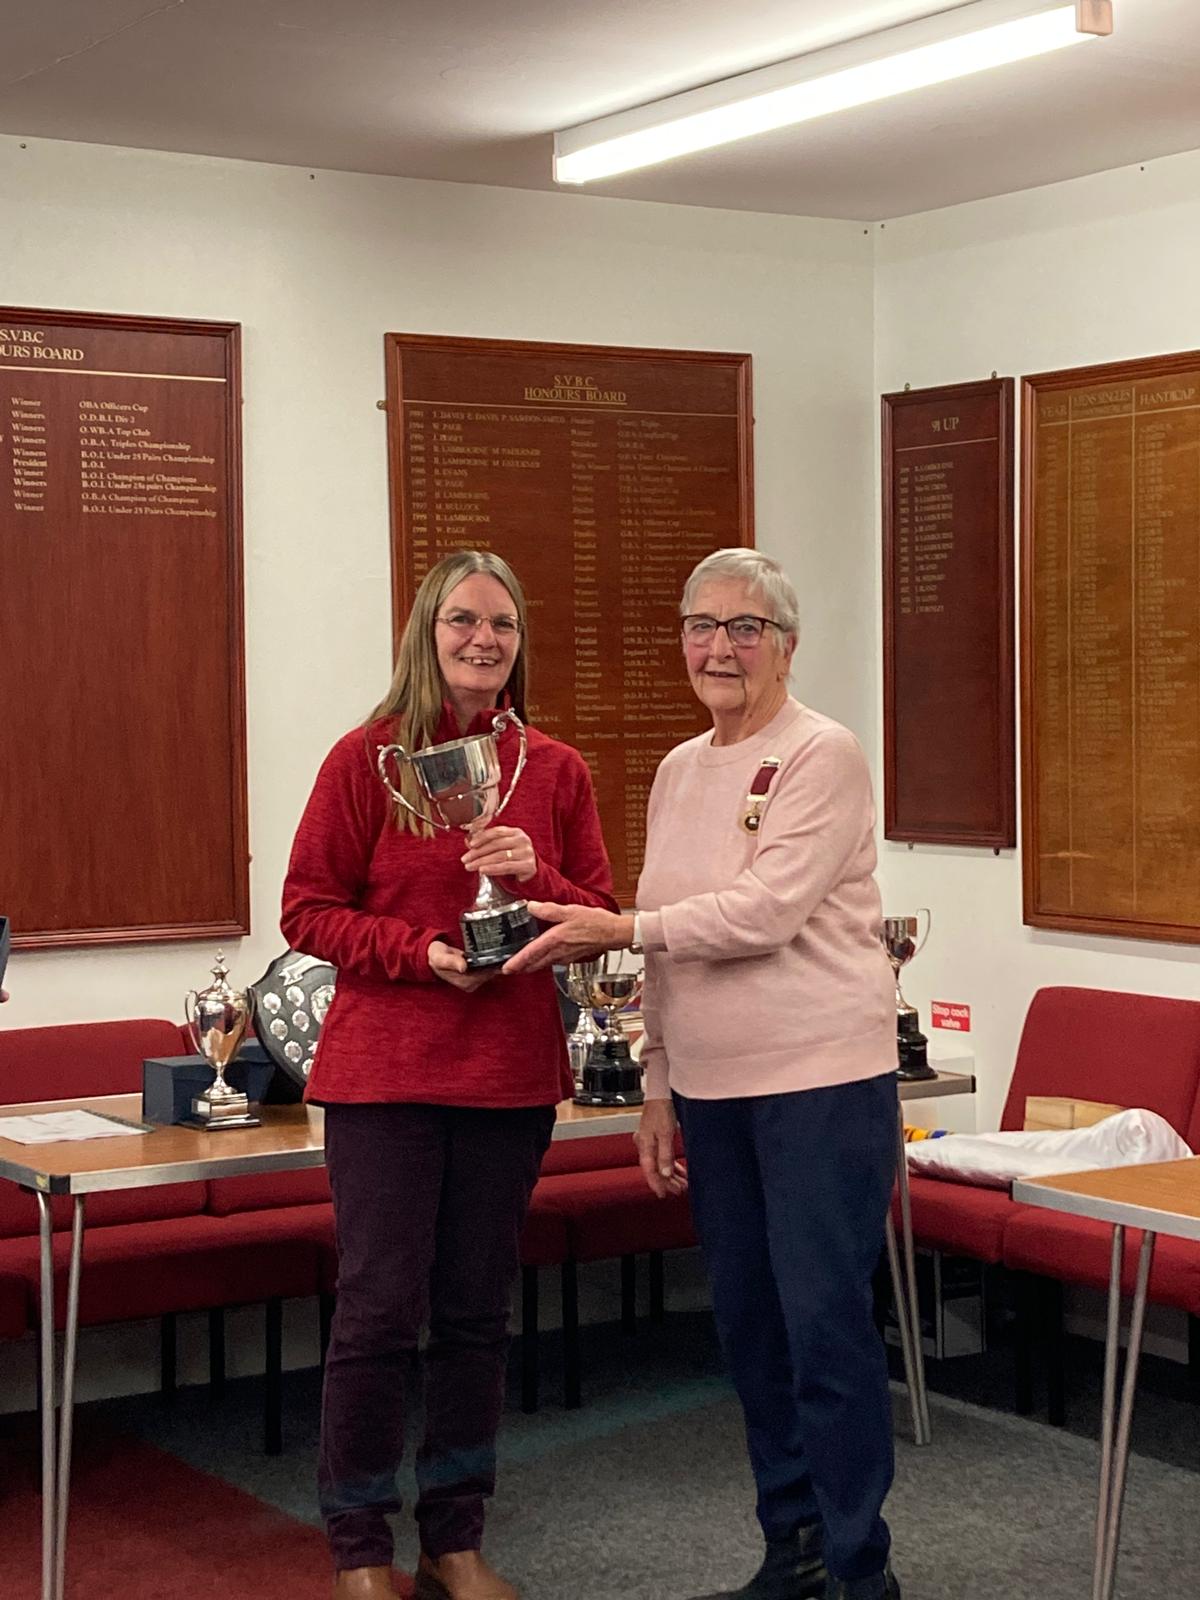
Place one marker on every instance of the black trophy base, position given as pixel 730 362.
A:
pixel 610 1077
pixel 912 1049
pixel 491 937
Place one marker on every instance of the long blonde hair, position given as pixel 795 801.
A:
pixel 417 691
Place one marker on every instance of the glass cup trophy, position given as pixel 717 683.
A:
pixel 217 1019
pixel 899 935
pixel 611 1077
pixel 461 781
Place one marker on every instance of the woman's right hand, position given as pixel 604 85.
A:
pixel 450 965
pixel 655 1140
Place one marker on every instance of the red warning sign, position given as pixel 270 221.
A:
pixel 945 1014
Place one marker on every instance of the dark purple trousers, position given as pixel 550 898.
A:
pixel 428 1206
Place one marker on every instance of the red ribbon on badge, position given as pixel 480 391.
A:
pixel 756 799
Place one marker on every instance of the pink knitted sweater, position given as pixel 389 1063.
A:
pixel 764 970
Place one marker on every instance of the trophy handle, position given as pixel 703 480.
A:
pixel 189 1012
pixel 498 724
pixel 928 915
pixel 401 754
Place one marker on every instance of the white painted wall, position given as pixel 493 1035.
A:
pixel 1098 269
pixel 317 267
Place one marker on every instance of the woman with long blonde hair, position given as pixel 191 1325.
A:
pixel 439 1083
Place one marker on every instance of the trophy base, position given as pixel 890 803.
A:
pixel 217 1115
pixel 912 1047
pixel 611 1077
pixel 916 1074
pixel 491 937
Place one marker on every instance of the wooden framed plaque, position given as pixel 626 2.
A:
pixel 602 475
pixel 121 675
pixel 1111 648
pixel 948 615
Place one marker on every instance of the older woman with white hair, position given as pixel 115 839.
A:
pixel 771 1037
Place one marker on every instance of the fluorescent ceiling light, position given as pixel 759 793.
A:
pixel 969 39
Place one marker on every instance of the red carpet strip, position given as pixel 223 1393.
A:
pixel 145 1526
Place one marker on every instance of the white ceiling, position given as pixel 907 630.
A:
pixel 471 90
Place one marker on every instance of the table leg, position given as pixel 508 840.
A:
pixel 1120 1448
pixel 67 1417
pixel 49 1475
pixel 905 1327
pixel 1108 1394
pixel 922 1431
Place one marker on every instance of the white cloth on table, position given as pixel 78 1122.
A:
pixel 994 1160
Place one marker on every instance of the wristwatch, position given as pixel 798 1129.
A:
pixel 635 944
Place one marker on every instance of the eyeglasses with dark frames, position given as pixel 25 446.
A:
pixel 744 631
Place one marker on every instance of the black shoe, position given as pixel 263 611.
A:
pixel 792 1569
pixel 882 1586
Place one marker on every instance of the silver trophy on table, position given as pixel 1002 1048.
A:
pixel 611 1077
pixel 217 1019
pixel 575 983
pixel 899 935
pixel 461 780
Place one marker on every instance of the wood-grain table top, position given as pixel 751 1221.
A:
pixel 1159 1196
pixel 291 1138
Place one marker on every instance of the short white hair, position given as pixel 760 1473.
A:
pixel 759 572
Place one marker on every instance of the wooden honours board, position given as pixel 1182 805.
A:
pixel 602 476
pixel 1111 648
pixel 121 677
pixel 948 615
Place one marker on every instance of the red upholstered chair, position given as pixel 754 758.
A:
pixel 1123 1049
pixel 1093 1044
pixel 543 1244
pixel 596 1186
pixel 147 1252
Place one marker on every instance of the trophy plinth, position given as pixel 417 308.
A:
pixel 899 936
pixel 461 780
pixel 610 1076
pixel 494 932
pixel 912 1047
pixel 217 1019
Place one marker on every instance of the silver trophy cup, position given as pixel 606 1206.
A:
pixel 900 941
pixel 611 1077
pixel 575 981
pixel 461 781
pixel 217 1019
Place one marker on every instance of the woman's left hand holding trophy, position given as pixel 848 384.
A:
pixel 501 853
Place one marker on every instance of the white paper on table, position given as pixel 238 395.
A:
pixel 54 1127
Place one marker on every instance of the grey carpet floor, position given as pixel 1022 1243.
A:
pixel 644 1494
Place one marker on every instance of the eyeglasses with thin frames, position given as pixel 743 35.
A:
pixel 466 622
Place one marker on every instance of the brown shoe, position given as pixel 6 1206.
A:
pixel 364 1583
pixel 461 1575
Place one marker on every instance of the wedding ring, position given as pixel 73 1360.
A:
pixel 509 854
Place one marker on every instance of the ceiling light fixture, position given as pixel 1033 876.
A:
pixel 954 44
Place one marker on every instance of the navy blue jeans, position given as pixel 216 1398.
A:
pixel 428 1206
pixel 790 1194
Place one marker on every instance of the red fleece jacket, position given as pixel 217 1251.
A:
pixel 371 898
